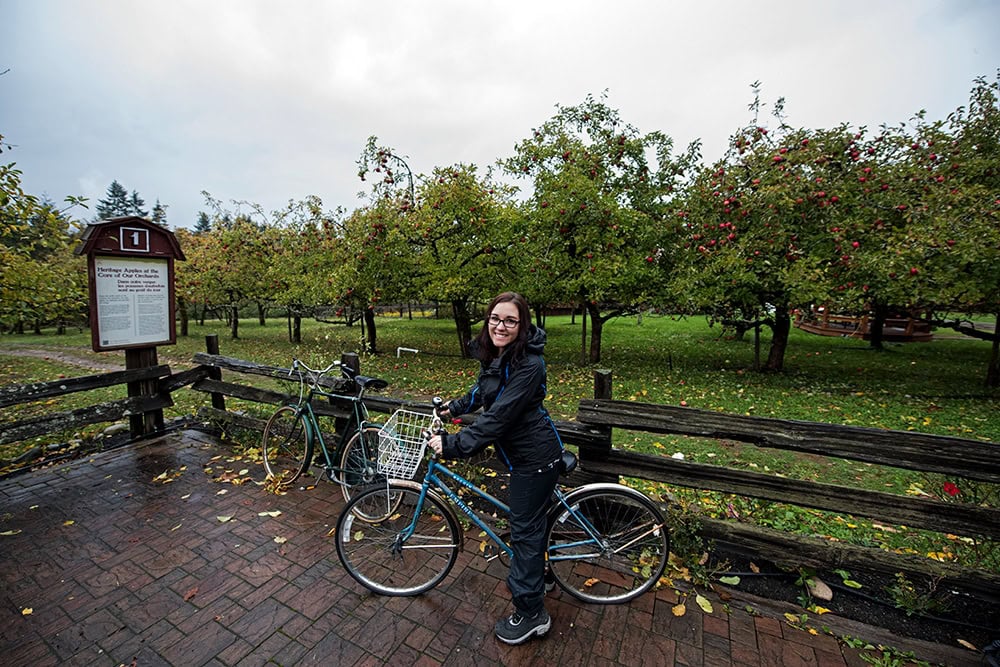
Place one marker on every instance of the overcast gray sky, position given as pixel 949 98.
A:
pixel 269 101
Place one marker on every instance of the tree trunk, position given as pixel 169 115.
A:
pixel 779 339
pixel 756 346
pixel 296 328
pixel 463 324
pixel 261 314
pixel 596 330
pixel 182 312
pixel 583 333
pixel 372 333
pixel 235 324
pixel 993 371
pixel 876 329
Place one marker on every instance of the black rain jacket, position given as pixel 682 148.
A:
pixel 513 417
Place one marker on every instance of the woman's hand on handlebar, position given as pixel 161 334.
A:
pixel 435 444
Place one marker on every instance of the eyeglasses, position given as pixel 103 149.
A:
pixel 508 322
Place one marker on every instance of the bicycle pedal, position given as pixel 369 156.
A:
pixel 490 552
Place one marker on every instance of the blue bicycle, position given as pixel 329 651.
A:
pixel 608 543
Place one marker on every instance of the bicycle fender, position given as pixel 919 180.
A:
pixel 445 503
pixel 571 497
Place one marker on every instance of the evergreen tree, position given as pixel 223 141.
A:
pixel 114 204
pixel 136 205
pixel 160 213
pixel 204 223
pixel 118 202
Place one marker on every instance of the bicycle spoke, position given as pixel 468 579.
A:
pixel 286 445
pixel 612 547
pixel 407 551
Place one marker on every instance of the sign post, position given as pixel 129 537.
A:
pixel 130 264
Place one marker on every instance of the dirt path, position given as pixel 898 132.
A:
pixel 98 363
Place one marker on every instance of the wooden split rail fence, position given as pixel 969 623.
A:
pixel 592 431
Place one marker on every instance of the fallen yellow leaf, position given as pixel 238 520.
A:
pixel 678 609
pixel 27 611
pixel 223 519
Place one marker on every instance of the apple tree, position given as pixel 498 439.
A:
pixel 759 228
pixel 593 229
pixel 375 257
pixel 958 247
pixel 36 240
pixel 459 237
pixel 301 250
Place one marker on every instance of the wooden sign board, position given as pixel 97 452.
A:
pixel 130 263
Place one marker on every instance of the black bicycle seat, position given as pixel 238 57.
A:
pixel 370 383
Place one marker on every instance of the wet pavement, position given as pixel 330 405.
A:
pixel 166 553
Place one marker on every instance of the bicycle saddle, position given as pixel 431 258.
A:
pixel 370 383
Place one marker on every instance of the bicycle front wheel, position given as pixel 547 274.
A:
pixel 358 462
pixel 610 547
pixel 359 469
pixel 407 552
pixel 287 445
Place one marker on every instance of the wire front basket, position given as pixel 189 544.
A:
pixel 401 443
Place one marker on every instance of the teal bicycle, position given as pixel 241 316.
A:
pixel 292 435
pixel 607 543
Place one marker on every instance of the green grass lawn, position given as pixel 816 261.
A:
pixel 934 387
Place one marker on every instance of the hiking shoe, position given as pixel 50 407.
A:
pixel 515 628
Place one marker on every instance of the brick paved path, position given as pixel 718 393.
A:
pixel 122 559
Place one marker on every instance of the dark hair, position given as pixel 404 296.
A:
pixel 485 349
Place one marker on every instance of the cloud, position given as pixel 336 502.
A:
pixel 267 102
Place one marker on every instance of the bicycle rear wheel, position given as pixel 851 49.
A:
pixel 407 552
pixel 287 445
pixel 628 555
pixel 358 469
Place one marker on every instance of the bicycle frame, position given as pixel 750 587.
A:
pixel 433 479
pixel 357 422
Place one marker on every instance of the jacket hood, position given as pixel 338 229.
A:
pixel 536 340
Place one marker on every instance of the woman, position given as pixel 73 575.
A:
pixel 510 390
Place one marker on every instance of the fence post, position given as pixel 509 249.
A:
pixel 352 361
pixel 212 347
pixel 600 450
pixel 148 422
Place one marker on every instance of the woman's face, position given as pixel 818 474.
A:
pixel 503 324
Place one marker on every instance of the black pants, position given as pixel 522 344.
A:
pixel 530 493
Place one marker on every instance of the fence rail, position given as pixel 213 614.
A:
pixel 592 431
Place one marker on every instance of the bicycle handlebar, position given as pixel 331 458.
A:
pixel 315 373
